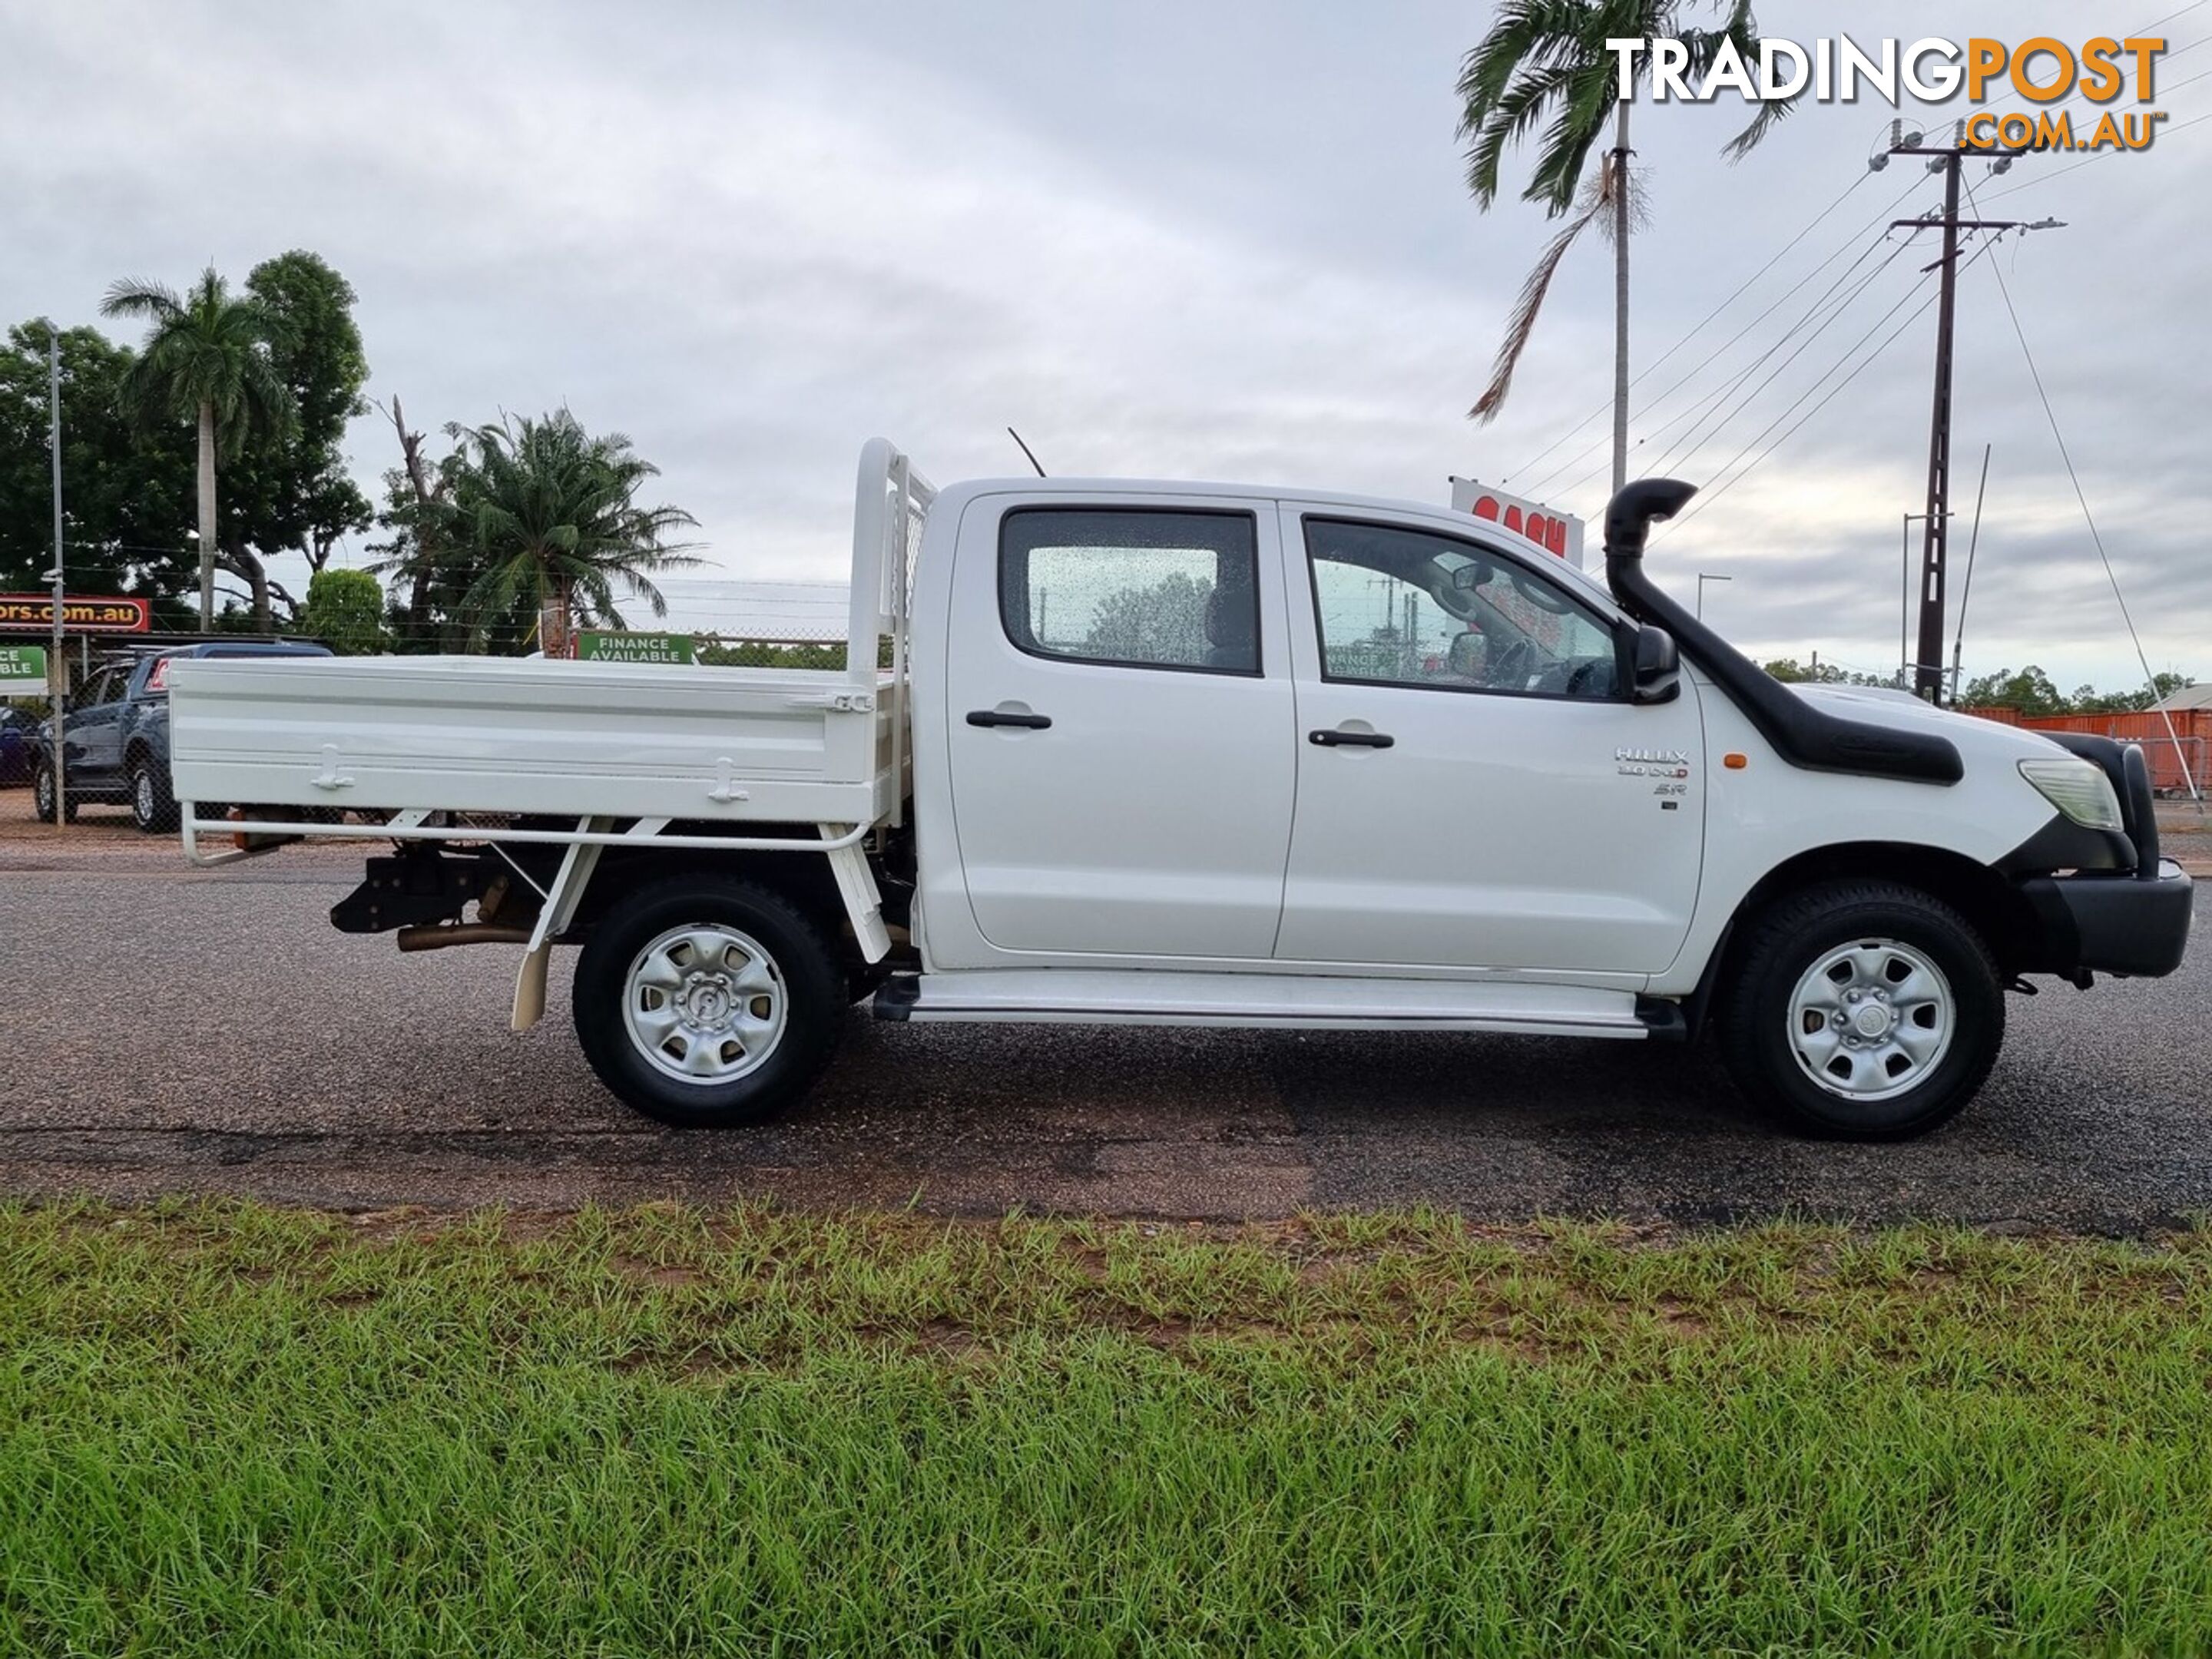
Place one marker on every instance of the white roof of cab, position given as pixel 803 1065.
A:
pixel 1430 514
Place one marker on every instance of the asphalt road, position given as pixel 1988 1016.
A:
pixel 208 1032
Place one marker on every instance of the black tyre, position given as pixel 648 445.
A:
pixel 152 808
pixel 43 792
pixel 706 1003
pixel 1862 1011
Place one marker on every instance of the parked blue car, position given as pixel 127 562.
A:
pixel 18 730
pixel 116 738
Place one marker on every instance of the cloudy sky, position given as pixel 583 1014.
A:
pixel 1193 239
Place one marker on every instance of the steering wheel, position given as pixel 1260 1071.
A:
pixel 1591 678
pixel 1509 672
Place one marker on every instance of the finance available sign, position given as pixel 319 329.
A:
pixel 79 615
pixel 22 668
pixel 595 644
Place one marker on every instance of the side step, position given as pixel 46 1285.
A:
pixel 1084 996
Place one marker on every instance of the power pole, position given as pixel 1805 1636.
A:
pixel 1928 653
pixel 60 674
pixel 1927 661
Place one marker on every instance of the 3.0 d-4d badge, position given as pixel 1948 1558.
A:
pixel 1652 763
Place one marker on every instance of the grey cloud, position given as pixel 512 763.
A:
pixel 1161 238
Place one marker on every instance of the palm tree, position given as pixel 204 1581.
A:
pixel 548 513
pixel 206 359
pixel 1547 59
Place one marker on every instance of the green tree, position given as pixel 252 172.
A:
pixel 1547 60
pixel 548 514
pixel 1164 621
pixel 428 550
pixel 2030 691
pixel 126 491
pixel 288 489
pixel 1791 672
pixel 208 358
pixel 345 611
pixel 2088 700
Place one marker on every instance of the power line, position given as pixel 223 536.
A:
pixel 1700 328
pixel 2044 179
pixel 2090 519
pixel 1729 344
pixel 2169 56
pixel 1568 432
pixel 1703 406
pixel 2170 16
pixel 1717 490
pixel 1678 456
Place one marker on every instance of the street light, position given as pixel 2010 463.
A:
pixel 1702 580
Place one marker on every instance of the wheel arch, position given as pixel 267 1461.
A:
pixel 803 876
pixel 1991 905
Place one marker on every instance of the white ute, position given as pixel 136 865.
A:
pixel 1201 754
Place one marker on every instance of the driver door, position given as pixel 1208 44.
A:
pixel 1492 801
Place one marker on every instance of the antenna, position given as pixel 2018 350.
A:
pixel 1016 437
pixel 1966 589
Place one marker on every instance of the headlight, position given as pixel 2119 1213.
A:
pixel 2079 788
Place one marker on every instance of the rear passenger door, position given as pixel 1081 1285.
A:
pixel 1121 727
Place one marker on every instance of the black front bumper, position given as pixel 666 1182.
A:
pixel 2125 910
pixel 2129 924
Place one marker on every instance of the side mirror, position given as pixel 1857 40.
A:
pixel 1658 666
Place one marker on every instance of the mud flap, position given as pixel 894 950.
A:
pixel 553 919
pixel 856 885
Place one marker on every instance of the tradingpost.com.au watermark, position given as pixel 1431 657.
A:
pixel 2041 72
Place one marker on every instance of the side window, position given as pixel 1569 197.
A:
pixel 1132 588
pixel 1403 607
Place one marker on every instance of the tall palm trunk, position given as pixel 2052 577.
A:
pixel 1620 300
pixel 207 518
pixel 553 620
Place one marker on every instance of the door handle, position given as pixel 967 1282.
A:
pixel 1328 740
pixel 992 717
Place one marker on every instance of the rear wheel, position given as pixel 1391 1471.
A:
pixel 706 1003
pixel 152 808
pixel 1862 1011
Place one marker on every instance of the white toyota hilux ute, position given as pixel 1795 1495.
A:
pixel 1162 753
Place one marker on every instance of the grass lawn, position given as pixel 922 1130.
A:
pixel 239 1431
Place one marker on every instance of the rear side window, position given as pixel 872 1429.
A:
pixel 1132 588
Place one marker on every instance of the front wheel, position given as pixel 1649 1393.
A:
pixel 1862 1011
pixel 708 1004
pixel 44 792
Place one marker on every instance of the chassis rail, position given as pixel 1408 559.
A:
pixel 839 843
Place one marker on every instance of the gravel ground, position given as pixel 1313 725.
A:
pixel 171 1030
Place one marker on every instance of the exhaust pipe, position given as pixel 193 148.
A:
pixel 437 935
pixel 1803 735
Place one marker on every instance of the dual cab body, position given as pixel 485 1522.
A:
pixel 1194 753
